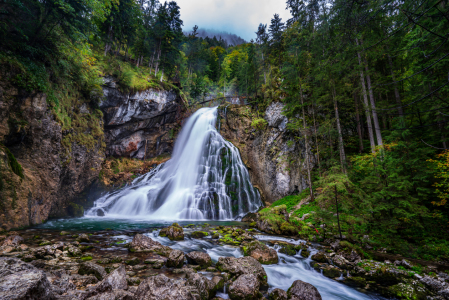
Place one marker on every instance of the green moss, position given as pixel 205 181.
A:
pixel 75 210
pixel 229 239
pixel 409 291
pixel 199 234
pixel 259 124
pixel 14 164
pixel 116 260
pixel 45 243
pixel 86 258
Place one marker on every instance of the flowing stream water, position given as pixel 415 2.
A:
pixel 205 180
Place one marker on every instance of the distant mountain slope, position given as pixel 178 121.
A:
pixel 230 38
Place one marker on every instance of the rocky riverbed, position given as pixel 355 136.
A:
pixel 198 262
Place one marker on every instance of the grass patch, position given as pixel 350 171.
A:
pixel 130 78
pixel 291 201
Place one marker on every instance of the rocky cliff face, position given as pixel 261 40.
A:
pixel 274 159
pixel 53 173
pixel 139 125
pixel 57 165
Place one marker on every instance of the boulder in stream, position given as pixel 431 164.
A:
pixel 246 287
pixel 199 258
pixel 176 259
pixel 206 287
pixel 278 294
pixel 161 287
pixel 261 252
pixel 301 290
pixel 89 268
pixel 20 280
pixel 174 232
pixel 142 243
pixel 243 265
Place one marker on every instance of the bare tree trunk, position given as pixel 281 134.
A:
pixel 316 140
pixel 396 90
pixel 107 47
pixel 340 135
pixel 373 105
pixel 309 176
pixel 365 102
pixel 359 125
pixel 338 213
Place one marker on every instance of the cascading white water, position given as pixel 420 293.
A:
pixel 205 179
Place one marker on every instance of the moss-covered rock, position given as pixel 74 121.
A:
pixel 132 261
pixel 229 239
pixel 410 290
pixel 174 232
pixel 199 234
pixel 261 252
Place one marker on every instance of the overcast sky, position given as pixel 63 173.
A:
pixel 241 17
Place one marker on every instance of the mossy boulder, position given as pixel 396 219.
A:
pixel 261 252
pixel 174 232
pixel 89 268
pixel 229 239
pixel 83 238
pixel 288 249
pixel 410 290
pixel 132 261
pixel 320 257
pixel 199 258
pixel 199 234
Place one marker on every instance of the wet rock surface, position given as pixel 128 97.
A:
pixel 261 252
pixel 303 291
pixel 245 287
pixel 243 265
pixel 174 232
pixel 19 280
pixel 199 258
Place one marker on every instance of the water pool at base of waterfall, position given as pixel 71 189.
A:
pixel 280 275
pixel 105 223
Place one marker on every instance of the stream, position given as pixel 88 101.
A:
pixel 280 275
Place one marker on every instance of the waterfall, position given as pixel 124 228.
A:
pixel 205 179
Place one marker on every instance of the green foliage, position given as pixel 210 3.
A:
pixel 259 124
pixel 306 209
pixel 291 201
pixel 75 210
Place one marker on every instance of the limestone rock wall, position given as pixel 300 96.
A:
pixel 53 174
pixel 276 162
pixel 141 124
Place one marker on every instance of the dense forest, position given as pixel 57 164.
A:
pixel 364 83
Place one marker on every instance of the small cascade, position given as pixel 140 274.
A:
pixel 205 179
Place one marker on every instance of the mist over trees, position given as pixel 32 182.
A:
pixel 230 38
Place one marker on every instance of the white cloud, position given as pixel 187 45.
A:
pixel 241 17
